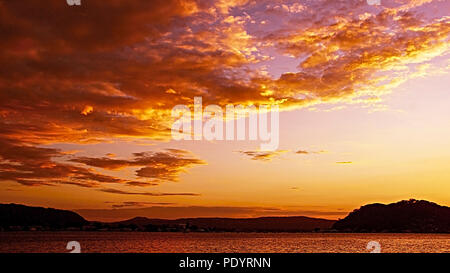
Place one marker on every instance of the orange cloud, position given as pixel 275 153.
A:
pixel 160 166
pixel 115 191
pixel 133 61
pixel 263 155
pixel 87 110
pixel 134 204
pixel 36 166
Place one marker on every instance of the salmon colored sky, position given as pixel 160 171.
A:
pixel 86 94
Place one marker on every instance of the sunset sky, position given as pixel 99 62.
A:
pixel 86 94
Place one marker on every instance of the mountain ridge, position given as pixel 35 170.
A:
pixel 266 223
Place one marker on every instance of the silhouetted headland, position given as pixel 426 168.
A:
pixel 20 217
pixel 416 216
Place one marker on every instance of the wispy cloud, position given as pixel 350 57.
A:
pixel 263 155
pixel 344 162
pixel 159 166
pixel 115 191
pixel 34 166
pixel 133 204
pixel 38 166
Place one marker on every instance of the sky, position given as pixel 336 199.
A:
pixel 87 92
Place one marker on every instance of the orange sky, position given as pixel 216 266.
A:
pixel 86 94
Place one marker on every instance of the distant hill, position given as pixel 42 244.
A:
pixel 25 216
pixel 262 224
pixel 20 217
pixel 405 216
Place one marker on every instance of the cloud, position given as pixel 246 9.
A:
pixel 94 26
pixel 305 152
pixel 263 155
pixel 347 57
pixel 37 166
pixel 34 166
pixel 344 162
pixel 137 204
pixel 269 155
pixel 103 70
pixel 115 191
pixel 160 166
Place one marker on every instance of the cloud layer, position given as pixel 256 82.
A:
pixel 158 166
pixel 35 166
pixel 115 69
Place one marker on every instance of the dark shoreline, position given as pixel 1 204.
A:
pixel 407 216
